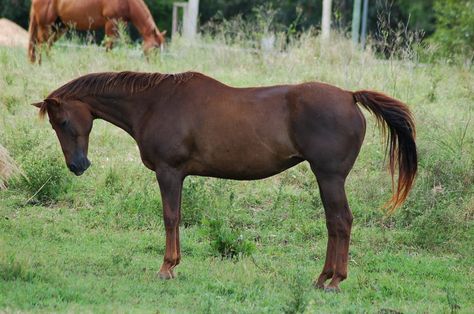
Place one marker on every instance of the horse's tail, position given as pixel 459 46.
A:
pixel 32 30
pixel 395 116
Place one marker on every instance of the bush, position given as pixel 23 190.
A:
pixel 227 242
pixel 454 28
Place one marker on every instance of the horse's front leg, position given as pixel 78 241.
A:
pixel 111 33
pixel 56 32
pixel 43 33
pixel 171 184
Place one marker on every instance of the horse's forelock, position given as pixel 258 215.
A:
pixel 43 110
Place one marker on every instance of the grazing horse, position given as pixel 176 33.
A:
pixel 48 20
pixel 190 124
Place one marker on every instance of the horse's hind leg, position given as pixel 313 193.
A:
pixel 339 223
pixel 57 31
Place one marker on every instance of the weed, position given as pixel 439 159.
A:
pixel 226 241
pixel 196 201
pixel 13 268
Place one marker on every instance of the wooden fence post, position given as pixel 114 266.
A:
pixel 191 19
pixel 326 19
pixel 356 22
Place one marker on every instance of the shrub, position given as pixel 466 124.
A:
pixel 454 28
pixel 226 241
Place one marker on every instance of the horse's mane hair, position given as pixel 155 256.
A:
pixel 112 84
pixel 115 83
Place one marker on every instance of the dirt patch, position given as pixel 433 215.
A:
pixel 12 34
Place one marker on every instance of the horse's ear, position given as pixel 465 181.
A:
pixel 53 102
pixel 52 105
pixel 38 104
pixel 163 33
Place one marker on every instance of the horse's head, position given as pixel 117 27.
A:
pixel 156 40
pixel 72 122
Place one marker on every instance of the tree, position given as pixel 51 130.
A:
pixel 455 28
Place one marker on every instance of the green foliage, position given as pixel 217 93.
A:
pixel 418 15
pixel 227 241
pixel 196 201
pixel 16 10
pixel 161 11
pixel 455 28
pixel 13 268
pixel 46 177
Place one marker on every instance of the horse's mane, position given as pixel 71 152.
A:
pixel 114 84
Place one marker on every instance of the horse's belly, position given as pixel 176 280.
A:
pixel 247 162
pixel 244 171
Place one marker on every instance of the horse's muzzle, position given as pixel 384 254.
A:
pixel 80 166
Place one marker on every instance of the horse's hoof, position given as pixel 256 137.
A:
pixel 318 285
pixel 332 289
pixel 166 275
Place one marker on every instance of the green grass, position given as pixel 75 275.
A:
pixel 94 243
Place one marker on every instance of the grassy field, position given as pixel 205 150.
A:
pixel 94 243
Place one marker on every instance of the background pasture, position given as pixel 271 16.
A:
pixel 94 243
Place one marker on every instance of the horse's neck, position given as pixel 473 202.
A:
pixel 119 112
pixel 141 18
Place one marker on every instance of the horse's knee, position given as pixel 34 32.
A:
pixel 171 221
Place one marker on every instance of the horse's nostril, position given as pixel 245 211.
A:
pixel 86 164
pixel 72 167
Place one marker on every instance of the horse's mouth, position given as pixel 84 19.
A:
pixel 79 170
pixel 78 173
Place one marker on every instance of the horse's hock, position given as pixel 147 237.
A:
pixel 12 35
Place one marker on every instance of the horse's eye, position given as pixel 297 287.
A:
pixel 63 124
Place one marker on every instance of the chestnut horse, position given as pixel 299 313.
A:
pixel 190 124
pixel 49 18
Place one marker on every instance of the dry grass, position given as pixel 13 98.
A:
pixel 12 35
pixel 8 167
